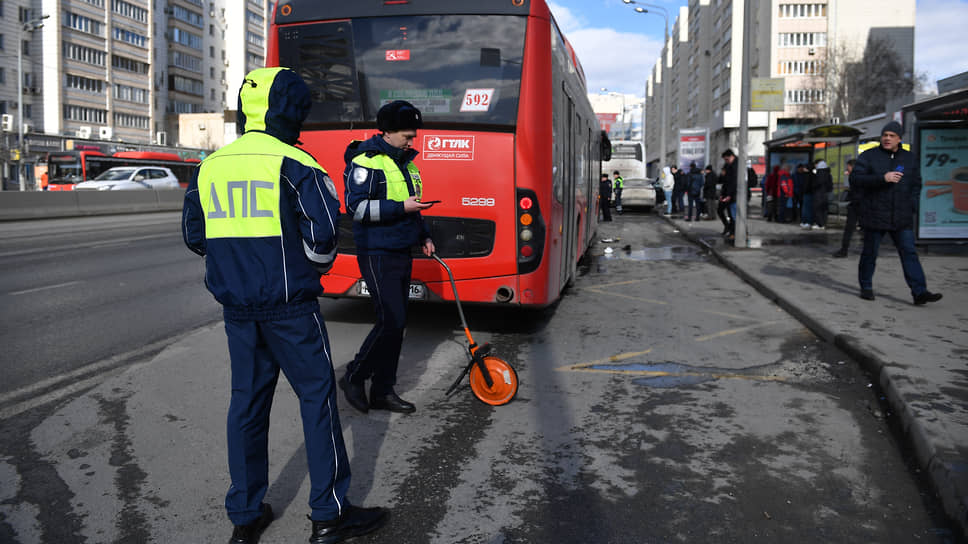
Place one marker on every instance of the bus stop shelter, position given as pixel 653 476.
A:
pixel 940 136
pixel 834 144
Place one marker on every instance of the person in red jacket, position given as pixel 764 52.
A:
pixel 784 193
pixel 769 194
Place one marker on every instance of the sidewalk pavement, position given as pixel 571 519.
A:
pixel 918 355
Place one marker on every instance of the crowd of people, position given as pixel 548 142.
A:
pixel 799 195
pixel 702 194
pixel 882 191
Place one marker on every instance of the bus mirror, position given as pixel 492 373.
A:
pixel 490 57
pixel 606 147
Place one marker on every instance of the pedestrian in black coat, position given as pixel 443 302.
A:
pixel 605 197
pixel 890 181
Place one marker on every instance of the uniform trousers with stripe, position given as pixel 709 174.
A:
pixel 388 279
pixel 300 348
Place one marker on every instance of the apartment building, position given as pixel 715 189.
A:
pixel 122 70
pixel 702 64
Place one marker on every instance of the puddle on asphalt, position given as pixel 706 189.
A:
pixel 671 253
pixel 759 241
pixel 667 375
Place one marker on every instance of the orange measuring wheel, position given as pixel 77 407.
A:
pixel 504 382
pixel 493 381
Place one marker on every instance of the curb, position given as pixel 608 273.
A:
pixel 950 485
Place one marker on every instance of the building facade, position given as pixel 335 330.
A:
pixel 123 70
pixel 619 114
pixel 702 65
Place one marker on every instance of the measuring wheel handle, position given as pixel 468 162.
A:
pixel 477 355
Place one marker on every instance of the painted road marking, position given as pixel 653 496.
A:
pixel 734 331
pixel 647 370
pixel 44 288
pixel 600 289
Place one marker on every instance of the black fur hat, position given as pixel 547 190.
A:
pixel 398 115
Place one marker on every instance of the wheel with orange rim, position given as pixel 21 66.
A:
pixel 503 376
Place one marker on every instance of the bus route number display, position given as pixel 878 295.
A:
pixel 477 100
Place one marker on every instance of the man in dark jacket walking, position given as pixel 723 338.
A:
pixel 890 182
pixel 727 196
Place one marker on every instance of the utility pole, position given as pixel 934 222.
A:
pixel 741 234
pixel 28 26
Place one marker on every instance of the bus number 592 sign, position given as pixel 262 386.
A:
pixel 477 100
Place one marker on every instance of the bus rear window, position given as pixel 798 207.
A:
pixel 627 151
pixel 457 69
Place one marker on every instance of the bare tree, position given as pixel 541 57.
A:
pixel 859 86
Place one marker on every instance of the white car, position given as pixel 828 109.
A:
pixel 637 192
pixel 122 178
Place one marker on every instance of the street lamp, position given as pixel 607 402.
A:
pixel 28 26
pixel 659 10
pixel 613 93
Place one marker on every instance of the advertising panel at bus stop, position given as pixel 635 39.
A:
pixel 693 147
pixel 943 154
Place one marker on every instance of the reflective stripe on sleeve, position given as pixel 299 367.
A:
pixel 319 258
pixel 372 205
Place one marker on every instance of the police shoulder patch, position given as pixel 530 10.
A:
pixel 359 175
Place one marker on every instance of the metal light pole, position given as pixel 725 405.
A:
pixel 659 10
pixel 742 232
pixel 28 26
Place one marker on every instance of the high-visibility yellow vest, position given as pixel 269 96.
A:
pixel 397 189
pixel 239 186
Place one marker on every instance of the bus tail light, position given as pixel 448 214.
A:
pixel 531 231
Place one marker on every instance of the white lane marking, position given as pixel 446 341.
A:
pixel 44 288
pixel 88 245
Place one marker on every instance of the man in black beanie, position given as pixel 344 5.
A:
pixel 890 181
pixel 383 192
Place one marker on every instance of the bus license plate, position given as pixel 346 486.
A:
pixel 416 290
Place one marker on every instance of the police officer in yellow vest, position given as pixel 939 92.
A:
pixel 264 215
pixel 383 189
pixel 619 184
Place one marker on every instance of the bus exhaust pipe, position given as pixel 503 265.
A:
pixel 504 294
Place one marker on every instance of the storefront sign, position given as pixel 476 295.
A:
pixel 944 177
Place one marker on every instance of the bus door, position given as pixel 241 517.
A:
pixel 568 218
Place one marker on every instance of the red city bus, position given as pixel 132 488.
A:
pixel 510 144
pixel 67 168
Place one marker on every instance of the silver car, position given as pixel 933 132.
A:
pixel 637 192
pixel 121 178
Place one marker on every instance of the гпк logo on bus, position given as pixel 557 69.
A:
pixel 448 148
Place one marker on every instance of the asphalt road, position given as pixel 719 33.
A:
pixel 74 292
pixel 662 400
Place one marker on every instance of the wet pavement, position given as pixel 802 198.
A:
pixel 662 400
pixel 918 354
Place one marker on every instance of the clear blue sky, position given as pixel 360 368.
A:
pixel 618 47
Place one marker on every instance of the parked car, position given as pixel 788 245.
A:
pixel 121 178
pixel 638 192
